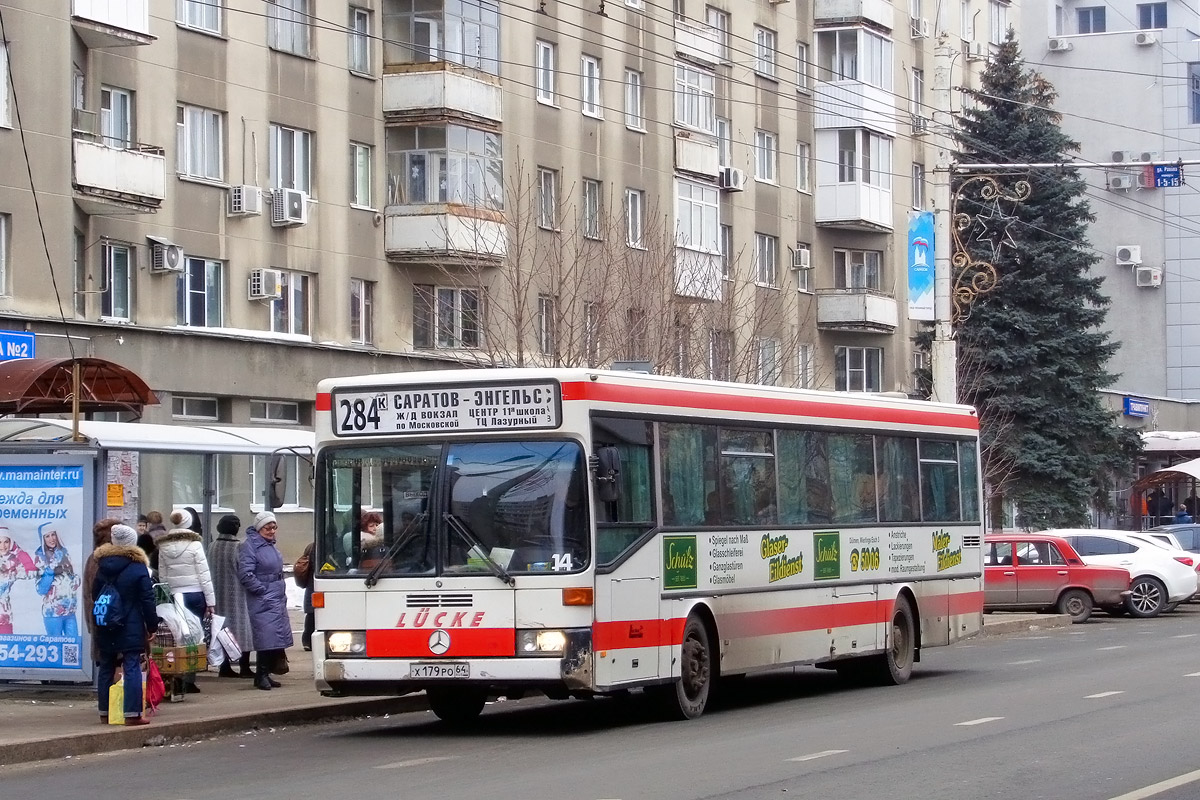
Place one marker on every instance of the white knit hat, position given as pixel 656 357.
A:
pixel 182 518
pixel 262 518
pixel 123 536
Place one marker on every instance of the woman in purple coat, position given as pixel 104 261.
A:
pixel 260 570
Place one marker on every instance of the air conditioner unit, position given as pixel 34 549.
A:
pixel 1060 45
pixel 1121 156
pixel 1144 38
pixel 165 256
pixel 1122 182
pixel 245 201
pixel 1129 255
pixel 920 28
pixel 266 284
pixel 976 51
pixel 732 179
pixel 920 125
pixel 1148 277
pixel 1148 156
pixel 801 258
pixel 289 207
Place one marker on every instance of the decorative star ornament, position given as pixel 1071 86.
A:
pixel 995 229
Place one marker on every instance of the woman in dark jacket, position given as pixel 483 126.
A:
pixel 123 564
pixel 260 569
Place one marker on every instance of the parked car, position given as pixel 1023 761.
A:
pixel 1186 535
pixel 1039 572
pixel 1158 579
pixel 1168 540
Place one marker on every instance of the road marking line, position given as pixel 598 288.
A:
pixel 821 754
pixel 1098 695
pixel 1032 638
pixel 1192 675
pixel 415 762
pixel 1184 635
pixel 1161 786
pixel 979 721
pixel 1026 661
pixel 1114 647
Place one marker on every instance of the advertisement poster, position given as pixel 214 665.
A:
pixel 920 265
pixel 45 539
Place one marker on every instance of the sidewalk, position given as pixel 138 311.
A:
pixel 49 723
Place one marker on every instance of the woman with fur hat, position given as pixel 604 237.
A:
pixel 231 597
pixel 183 566
pixel 124 565
pixel 260 568
pixel 101 535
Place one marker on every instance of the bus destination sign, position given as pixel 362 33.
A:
pixel 513 406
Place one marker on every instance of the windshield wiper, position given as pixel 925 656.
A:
pixel 373 576
pixel 468 536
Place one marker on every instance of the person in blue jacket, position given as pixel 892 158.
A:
pixel 260 570
pixel 126 567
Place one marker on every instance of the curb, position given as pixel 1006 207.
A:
pixel 1024 624
pixel 161 733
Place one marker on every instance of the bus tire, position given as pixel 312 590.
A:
pixel 690 693
pixel 894 666
pixel 456 706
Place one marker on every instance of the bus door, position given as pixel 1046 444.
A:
pixel 633 631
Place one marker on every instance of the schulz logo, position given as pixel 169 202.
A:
pixel 439 642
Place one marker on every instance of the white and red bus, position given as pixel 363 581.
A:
pixel 579 532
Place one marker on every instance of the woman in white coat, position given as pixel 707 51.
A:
pixel 183 566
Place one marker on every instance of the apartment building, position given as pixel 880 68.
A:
pixel 235 198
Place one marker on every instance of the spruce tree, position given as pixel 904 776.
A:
pixel 1034 351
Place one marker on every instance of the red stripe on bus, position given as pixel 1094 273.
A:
pixel 464 643
pixel 324 401
pixel 965 603
pixel 683 398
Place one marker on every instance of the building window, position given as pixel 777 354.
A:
pixel 634 3
pixel 718 20
pixel 769 368
pixel 274 411
pixel 359 40
pixel 547 199
pixel 118 281
pixel 998 20
pixel 464 32
pixel 857 269
pixel 766 260
pixel 116 117
pixel 1091 20
pixel 804 366
pixel 362 311
pixel 720 355
pixel 864 157
pixel 206 408
pixel 199 143
pixel 801 67
pixel 290 26
pixel 764 51
pixel 1194 91
pixel 727 252
pixel 544 72
pixel 695 97
pixel 423 169
pixel 724 142
pixel 858 369
pixel 589 86
pixel 81 274
pixel 966 20
pixel 546 340
pixel 766 157
pixel 634 100
pixel 5 106
pixel 591 209
pixel 635 219
pixel 291 158
pixel 201 293
pixel 697 212
pixel 854 54
pixel 916 102
pixel 446 318
pixel 360 174
pixel 289 314
pixel 918 186
pixel 803 274
pixel 803 156
pixel 1152 15
pixel 202 15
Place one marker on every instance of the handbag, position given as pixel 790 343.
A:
pixel 155 688
pixel 302 569
pixel 229 644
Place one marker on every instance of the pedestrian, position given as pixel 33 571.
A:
pixel 149 540
pixel 260 569
pixel 124 565
pixel 231 596
pixel 1181 515
pixel 15 565
pixel 302 572
pixel 101 535
pixel 183 566
pixel 58 583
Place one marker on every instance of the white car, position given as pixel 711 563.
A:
pixel 1159 578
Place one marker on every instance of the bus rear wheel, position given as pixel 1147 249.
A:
pixel 692 689
pixel 456 706
pixel 894 666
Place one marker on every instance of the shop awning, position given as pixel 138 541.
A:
pixel 46 386
pixel 147 438
pixel 1186 470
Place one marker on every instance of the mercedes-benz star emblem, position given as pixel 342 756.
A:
pixel 439 642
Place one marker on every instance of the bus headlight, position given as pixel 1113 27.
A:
pixel 541 642
pixel 346 643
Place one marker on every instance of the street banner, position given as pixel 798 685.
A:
pixel 920 265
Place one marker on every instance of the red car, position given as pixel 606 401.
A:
pixel 1038 572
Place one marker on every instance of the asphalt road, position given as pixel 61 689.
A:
pixel 1093 712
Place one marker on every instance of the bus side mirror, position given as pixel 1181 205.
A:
pixel 607 466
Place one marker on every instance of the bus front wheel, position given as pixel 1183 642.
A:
pixel 691 691
pixel 456 706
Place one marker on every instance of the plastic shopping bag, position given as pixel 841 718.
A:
pixel 153 686
pixel 228 643
pixel 191 628
pixel 216 655
pixel 116 703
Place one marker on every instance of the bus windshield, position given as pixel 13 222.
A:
pixel 456 508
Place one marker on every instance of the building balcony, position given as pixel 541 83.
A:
pixel 112 23
pixel 853 104
pixel 854 206
pixel 440 90
pixel 700 43
pixel 697 153
pixel 697 274
pixel 445 233
pixel 831 11
pixel 110 180
pixel 856 310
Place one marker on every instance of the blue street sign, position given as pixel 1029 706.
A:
pixel 1167 175
pixel 16 344
pixel 1137 407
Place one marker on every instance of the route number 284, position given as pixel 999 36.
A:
pixel 357 415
